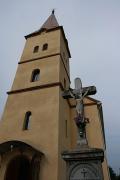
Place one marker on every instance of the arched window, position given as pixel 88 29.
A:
pixel 45 47
pixel 36 48
pixel 26 125
pixel 35 75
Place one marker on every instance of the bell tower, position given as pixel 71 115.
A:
pixel 38 123
pixel 33 114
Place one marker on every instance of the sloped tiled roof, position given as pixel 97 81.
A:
pixel 50 23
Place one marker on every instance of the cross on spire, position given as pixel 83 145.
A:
pixel 53 11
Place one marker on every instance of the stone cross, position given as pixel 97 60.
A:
pixel 78 94
pixel 84 172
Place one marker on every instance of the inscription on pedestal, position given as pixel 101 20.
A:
pixel 84 172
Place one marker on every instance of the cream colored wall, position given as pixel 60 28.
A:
pixel 63 75
pixel 64 53
pixel 49 109
pixel 64 115
pixel 94 129
pixel 53 40
pixel 43 132
pixel 64 139
pixel 49 73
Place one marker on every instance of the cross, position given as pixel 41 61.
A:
pixel 53 11
pixel 84 173
pixel 78 94
pixel 91 90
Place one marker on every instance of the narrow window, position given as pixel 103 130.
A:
pixel 36 48
pixel 45 47
pixel 35 75
pixel 66 129
pixel 64 83
pixel 26 125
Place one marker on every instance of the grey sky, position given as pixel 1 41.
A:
pixel 92 28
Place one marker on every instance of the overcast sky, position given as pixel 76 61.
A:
pixel 92 28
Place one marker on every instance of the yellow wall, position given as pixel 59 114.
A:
pixel 53 40
pixel 43 132
pixel 49 73
pixel 52 116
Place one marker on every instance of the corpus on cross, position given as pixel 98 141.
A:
pixel 78 94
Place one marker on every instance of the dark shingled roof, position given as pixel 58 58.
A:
pixel 50 23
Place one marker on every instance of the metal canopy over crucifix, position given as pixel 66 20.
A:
pixel 78 94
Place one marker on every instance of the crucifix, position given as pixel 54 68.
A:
pixel 78 94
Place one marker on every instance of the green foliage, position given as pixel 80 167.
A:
pixel 112 174
pixel 118 177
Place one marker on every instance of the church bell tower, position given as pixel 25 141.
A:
pixel 37 123
pixel 34 125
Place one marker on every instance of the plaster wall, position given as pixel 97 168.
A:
pixel 64 134
pixel 52 128
pixel 43 130
pixel 49 73
pixel 52 38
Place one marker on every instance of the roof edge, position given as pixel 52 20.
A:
pixel 49 30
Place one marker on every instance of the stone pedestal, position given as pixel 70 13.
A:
pixel 84 164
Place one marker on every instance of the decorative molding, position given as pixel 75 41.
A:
pixel 34 59
pixel 49 30
pixel 57 54
pixel 36 88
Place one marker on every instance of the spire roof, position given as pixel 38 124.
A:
pixel 50 25
pixel 51 22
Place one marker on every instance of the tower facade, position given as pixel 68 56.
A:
pixel 37 123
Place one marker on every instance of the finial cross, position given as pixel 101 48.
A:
pixel 53 11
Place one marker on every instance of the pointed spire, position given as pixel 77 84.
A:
pixel 51 22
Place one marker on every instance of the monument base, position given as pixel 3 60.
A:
pixel 84 164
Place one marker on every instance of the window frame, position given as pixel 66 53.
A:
pixel 36 49
pixel 35 75
pixel 26 124
pixel 45 47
